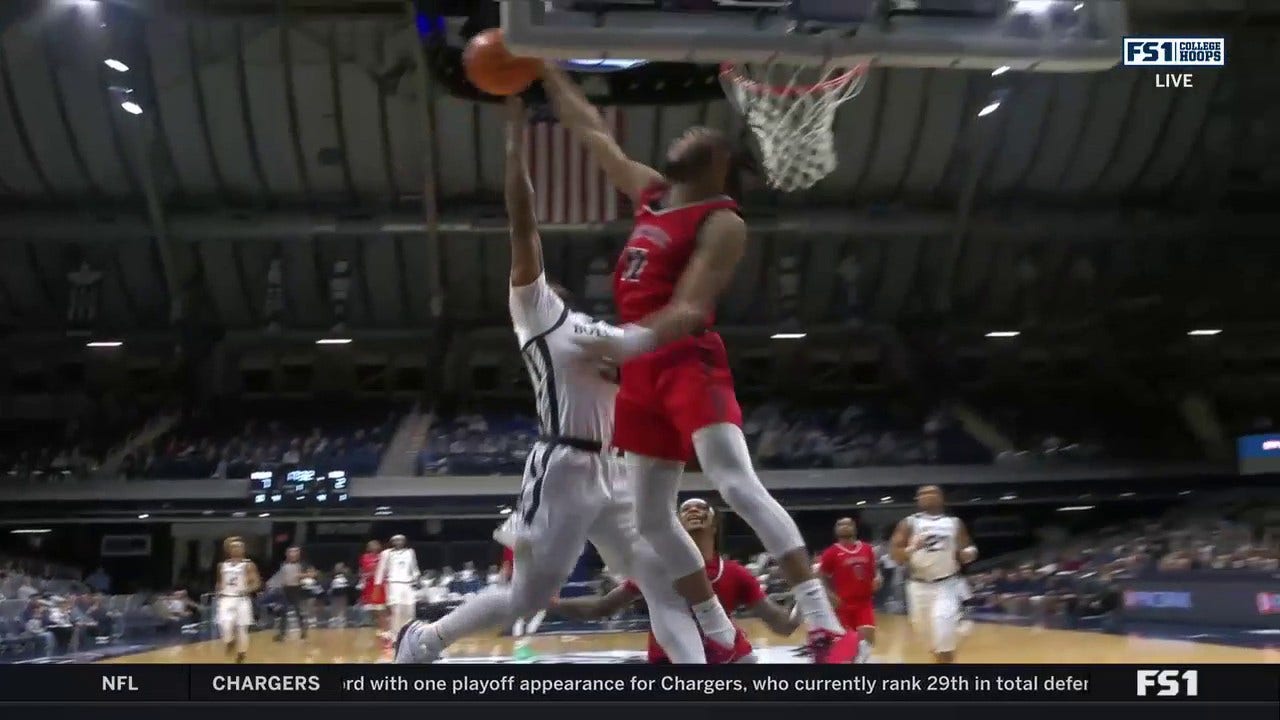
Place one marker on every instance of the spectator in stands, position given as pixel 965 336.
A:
pixel 99 580
pixel 27 589
pixel 33 623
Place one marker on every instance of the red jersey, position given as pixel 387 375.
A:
pixel 368 566
pixel 852 569
pixel 734 586
pixel 658 251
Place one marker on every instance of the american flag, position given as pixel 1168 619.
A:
pixel 571 188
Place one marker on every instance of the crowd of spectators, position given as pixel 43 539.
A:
pixel 235 442
pixel 857 435
pixel 780 437
pixel 35 449
pixel 1082 580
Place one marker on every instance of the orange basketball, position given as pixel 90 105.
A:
pixel 491 67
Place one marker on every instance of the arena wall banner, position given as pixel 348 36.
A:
pixel 1234 602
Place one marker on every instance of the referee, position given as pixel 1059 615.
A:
pixel 289 579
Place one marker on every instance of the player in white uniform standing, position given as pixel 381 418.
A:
pixel 570 493
pixel 238 579
pixel 933 546
pixel 398 569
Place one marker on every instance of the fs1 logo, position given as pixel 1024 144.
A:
pixel 1175 52
pixel 1169 683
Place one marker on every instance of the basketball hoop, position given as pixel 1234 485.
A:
pixel 791 109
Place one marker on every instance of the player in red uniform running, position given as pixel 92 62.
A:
pixel 373 597
pixel 734 586
pixel 676 398
pixel 849 567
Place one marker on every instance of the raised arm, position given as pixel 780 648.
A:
pixel 576 113
pixel 526 245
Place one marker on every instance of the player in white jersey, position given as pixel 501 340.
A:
pixel 571 493
pixel 238 579
pixel 933 547
pixel 398 573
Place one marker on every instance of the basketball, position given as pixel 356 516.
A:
pixel 491 67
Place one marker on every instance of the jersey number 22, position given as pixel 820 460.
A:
pixel 636 259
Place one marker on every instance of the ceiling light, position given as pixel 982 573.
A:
pixel 334 341
pixel 30 531
pixel 862 502
pixel 787 336
pixel 131 107
pixel 989 108
pixel 504 511
pixel 1205 332
pixel 104 343
pixel 1000 71
pixel 1079 6
pixel 1009 496
pixel 887 498
pixel 264 515
pixel 1075 508
pixel 116 65
pixel 1127 494
pixel 1004 333
pixel 1185 492
pixel 144 516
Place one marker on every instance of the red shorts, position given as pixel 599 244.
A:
pixel 373 595
pixel 667 395
pixel 856 614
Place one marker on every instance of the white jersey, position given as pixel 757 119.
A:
pixel 397 565
pixel 573 399
pixel 936 558
pixel 233 576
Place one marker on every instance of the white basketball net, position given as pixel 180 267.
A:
pixel 791 109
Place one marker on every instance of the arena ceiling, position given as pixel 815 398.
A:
pixel 301 136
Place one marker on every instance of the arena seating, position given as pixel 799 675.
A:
pixel 54 449
pixel 1066 584
pixel 781 437
pixel 232 442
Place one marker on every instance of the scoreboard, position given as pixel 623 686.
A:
pixel 299 487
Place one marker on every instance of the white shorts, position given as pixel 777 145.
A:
pixel 234 612
pixel 563 491
pixel 934 609
pixel 401 593
pixel 568 498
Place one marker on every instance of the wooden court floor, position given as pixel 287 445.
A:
pixel 986 643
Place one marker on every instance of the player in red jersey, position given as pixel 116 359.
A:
pixel 676 398
pixel 734 586
pixel 372 595
pixel 850 569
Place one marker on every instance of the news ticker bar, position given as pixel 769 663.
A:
pixel 634 683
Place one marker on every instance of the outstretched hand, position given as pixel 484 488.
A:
pixel 615 345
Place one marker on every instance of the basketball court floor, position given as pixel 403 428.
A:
pixel 985 643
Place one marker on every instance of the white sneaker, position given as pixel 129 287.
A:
pixel 417 644
pixel 864 653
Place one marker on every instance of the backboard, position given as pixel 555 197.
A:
pixel 1026 35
